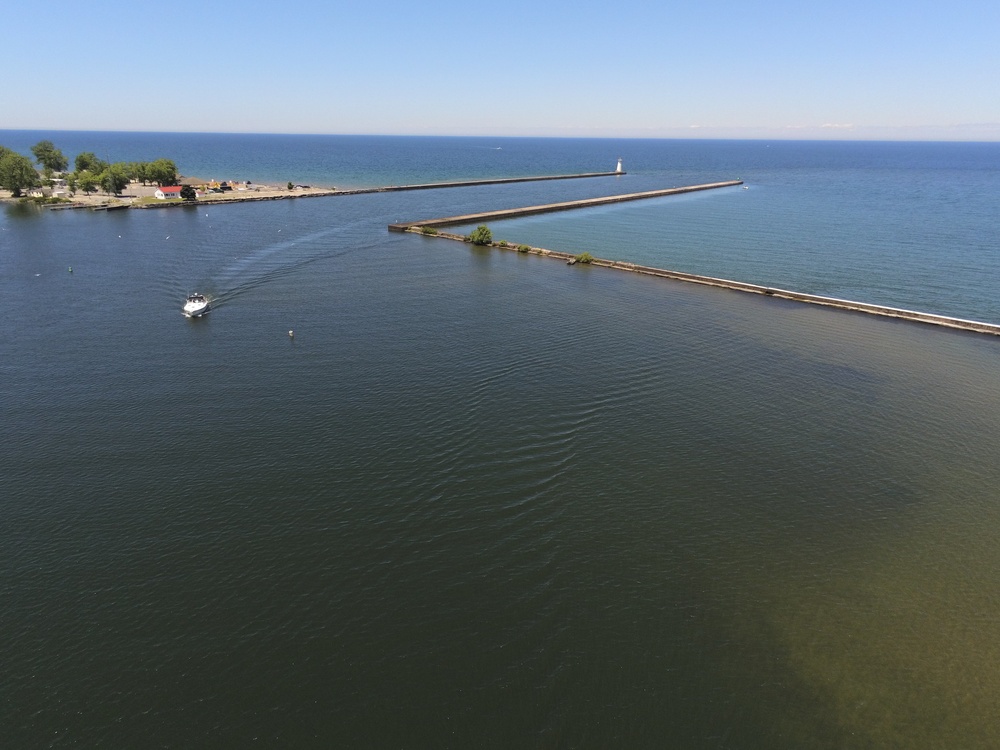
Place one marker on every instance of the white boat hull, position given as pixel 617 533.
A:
pixel 195 308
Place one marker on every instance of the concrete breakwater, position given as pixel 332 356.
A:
pixel 428 228
pixel 274 194
pixel 387 189
pixel 496 181
pixel 383 189
pixel 511 213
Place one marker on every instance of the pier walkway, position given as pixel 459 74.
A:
pixel 277 194
pixel 471 183
pixel 812 299
pixel 512 213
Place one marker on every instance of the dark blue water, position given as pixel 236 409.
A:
pixel 485 499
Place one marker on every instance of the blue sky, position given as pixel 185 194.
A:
pixel 892 70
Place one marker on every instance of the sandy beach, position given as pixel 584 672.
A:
pixel 138 195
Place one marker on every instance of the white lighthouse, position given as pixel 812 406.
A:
pixel 618 169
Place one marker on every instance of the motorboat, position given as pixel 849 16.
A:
pixel 196 305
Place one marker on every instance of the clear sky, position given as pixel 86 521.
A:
pixel 895 69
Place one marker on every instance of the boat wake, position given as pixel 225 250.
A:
pixel 265 264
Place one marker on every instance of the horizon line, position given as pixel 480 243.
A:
pixel 836 133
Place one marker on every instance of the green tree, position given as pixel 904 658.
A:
pixel 188 193
pixel 88 162
pixel 114 178
pixel 481 235
pixel 162 172
pixel 86 181
pixel 49 156
pixel 16 172
pixel 139 170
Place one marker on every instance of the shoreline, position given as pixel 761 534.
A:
pixel 143 196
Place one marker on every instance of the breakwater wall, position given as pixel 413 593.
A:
pixel 280 195
pixel 812 299
pixel 398 188
pixel 470 183
pixel 913 316
pixel 511 213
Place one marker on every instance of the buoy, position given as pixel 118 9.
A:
pixel 291 334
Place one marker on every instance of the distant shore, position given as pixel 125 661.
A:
pixel 137 195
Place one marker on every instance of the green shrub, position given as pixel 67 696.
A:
pixel 523 248
pixel 584 258
pixel 481 235
pixel 51 200
pixel 502 243
pixel 428 230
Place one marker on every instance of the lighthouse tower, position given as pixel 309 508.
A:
pixel 618 169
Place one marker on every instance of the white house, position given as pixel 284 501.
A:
pixel 167 193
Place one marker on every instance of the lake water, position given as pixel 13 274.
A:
pixel 488 500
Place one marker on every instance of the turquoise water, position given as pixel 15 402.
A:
pixel 484 499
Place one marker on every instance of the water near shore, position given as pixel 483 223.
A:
pixel 483 499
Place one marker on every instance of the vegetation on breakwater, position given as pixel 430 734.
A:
pixel 481 235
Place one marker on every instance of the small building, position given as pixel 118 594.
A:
pixel 168 193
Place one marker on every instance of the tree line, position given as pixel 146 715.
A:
pixel 18 172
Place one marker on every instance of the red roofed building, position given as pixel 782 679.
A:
pixel 165 193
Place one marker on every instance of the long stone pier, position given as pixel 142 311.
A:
pixel 470 183
pixel 913 316
pixel 280 195
pixel 511 213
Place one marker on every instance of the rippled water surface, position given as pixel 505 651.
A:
pixel 480 499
